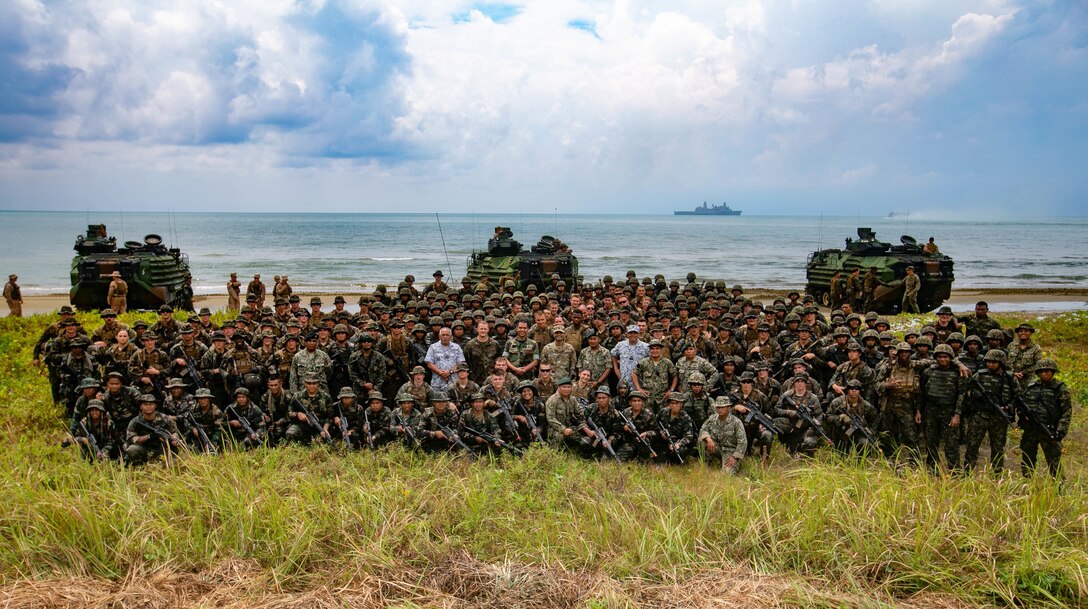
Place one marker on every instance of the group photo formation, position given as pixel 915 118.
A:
pixel 639 370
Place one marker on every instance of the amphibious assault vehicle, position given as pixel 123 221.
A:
pixel 891 262
pixel 156 275
pixel 505 259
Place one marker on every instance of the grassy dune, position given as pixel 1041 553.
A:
pixel 306 527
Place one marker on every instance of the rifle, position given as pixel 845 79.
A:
pixel 92 442
pixel 497 442
pixel 205 442
pixel 198 379
pixel 668 438
pixel 236 378
pixel 456 440
pixel 504 408
pixel 859 425
pixel 634 431
pixel 399 420
pixel 531 421
pixel 602 438
pixel 754 412
pixel 246 427
pixel 312 420
pixel 366 428
pixel 992 400
pixel 344 428
pixel 805 413
pixel 163 437
pixel 1029 415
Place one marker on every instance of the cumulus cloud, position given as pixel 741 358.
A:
pixel 626 101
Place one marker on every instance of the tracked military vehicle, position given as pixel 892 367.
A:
pixel 155 274
pixel 891 262
pixel 506 258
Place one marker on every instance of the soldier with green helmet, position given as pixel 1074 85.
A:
pixel 990 388
pixel 852 420
pixel 150 435
pixel 1024 354
pixel 406 419
pixel 943 390
pixel 899 388
pixel 1047 409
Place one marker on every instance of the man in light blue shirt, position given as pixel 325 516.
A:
pixel 442 359
pixel 626 355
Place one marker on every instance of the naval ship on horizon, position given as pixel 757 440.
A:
pixel 713 210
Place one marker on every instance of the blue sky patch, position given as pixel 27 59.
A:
pixel 495 11
pixel 585 25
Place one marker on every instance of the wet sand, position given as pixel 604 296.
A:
pixel 1000 300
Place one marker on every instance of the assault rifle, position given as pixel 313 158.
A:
pixel 366 428
pixel 754 412
pixel 344 435
pixel 859 425
pixel 312 420
pixel 668 439
pixel 633 430
pixel 805 413
pixel 602 437
pixel 205 442
pixel 399 420
pixel 508 419
pixel 991 399
pixel 530 420
pixel 92 442
pixel 198 379
pixel 1026 414
pixel 456 440
pixel 246 427
pixel 496 441
pixel 163 437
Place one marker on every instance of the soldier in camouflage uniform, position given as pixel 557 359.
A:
pixel 991 387
pixel 853 369
pixel 244 408
pixel 379 419
pixel 147 368
pixel 521 352
pixel 567 421
pixel 1024 355
pixel 406 419
pixel 674 446
pixel 1047 405
pixel 562 357
pixel 723 436
pixel 943 390
pixel 846 434
pixel 142 443
pixel 311 362
pixel 630 446
pixel 475 423
pixel 208 417
pixel 899 388
pixel 429 430
pixel 654 375
pixel 98 424
pixel 367 368
pixel 759 437
pixel 595 358
pixel 301 430
pixel 689 363
pixel 698 402
pixel 799 437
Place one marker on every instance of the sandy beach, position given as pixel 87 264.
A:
pixel 1000 300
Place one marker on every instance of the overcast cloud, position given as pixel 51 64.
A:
pixel 777 106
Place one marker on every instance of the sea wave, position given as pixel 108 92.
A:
pixel 393 259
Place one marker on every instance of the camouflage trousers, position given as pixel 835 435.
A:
pixel 707 458
pixel 980 426
pixel 898 432
pixel 1030 443
pixel 910 304
pixel 940 435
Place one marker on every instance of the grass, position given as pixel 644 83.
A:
pixel 396 527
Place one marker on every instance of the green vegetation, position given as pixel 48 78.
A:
pixel 403 528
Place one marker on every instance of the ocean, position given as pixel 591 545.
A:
pixel 354 252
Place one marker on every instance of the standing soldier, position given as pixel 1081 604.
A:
pixel 1045 415
pixel 855 288
pixel 311 362
pixel 943 392
pixel 117 296
pixel 655 375
pixel 560 354
pixel 838 291
pixel 911 285
pixel 13 296
pixel 1024 354
pixel 234 293
pixel 257 289
pixel 990 389
pixel 869 286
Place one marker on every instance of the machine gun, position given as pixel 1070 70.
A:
pixel 754 412
pixel 496 441
pixel 456 440
pixel 205 442
pixel 633 430
pixel 991 399
pixel 246 427
pixel 344 435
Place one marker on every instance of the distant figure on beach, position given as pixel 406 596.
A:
pixel 117 296
pixel 931 248
pixel 256 287
pixel 234 293
pixel 14 296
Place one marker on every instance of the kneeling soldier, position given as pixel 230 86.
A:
pixel 150 434
pixel 722 436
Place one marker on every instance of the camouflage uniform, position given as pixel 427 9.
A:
pixel 983 420
pixel 899 388
pixel 1023 359
pixel 521 353
pixel 563 413
pixel 728 435
pixel 843 431
pixel 136 453
pixel 319 404
pixel 680 429
pixel 481 357
pixel 430 423
pixel 685 367
pixel 655 378
pixel 597 361
pixel 630 448
pixel 306 363
pixel 367 370
pixel 562 357
pixel 1049 403
pixel 943 390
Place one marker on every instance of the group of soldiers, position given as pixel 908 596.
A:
pixel 634 370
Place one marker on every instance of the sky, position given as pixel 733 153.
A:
pixel 954 107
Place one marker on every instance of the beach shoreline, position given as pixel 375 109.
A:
pixel 1000 299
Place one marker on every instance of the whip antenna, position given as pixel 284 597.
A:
pixel 448 265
